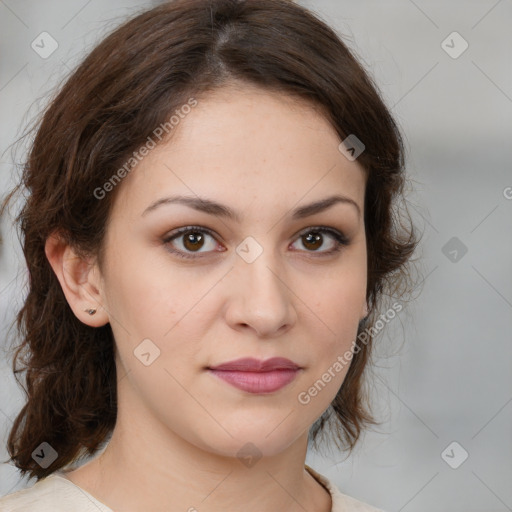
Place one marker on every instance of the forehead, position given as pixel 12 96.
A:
pixel 243 146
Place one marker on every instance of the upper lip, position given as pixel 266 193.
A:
pixel 250 364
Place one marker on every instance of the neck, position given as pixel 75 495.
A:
pixel 146 466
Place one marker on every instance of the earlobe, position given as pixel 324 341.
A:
pixel 79 279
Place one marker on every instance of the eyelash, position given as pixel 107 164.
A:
pixel 340 239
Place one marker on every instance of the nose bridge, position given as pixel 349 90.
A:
pixel 259 268
pixel 260 296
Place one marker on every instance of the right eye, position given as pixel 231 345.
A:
pixel 192 239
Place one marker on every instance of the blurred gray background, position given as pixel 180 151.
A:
pixel 442 382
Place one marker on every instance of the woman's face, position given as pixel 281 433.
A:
pixel 265 282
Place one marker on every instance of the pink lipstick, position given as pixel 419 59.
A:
pixel 256 376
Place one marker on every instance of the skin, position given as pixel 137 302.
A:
pixel 179 428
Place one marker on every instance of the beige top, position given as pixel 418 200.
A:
pixel 56 493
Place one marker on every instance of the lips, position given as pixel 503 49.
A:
pixel 256 376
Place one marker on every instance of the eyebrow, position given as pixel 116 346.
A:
pixel 213 208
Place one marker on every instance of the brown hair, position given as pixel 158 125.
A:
pixel 126 87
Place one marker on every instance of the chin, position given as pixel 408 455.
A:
pixel 251 440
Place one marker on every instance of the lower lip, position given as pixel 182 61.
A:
pixel 257 382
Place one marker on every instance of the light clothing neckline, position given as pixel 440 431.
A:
pixel 340 502
pixel 319 478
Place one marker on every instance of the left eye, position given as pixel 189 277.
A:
pixel 313 238
pixel 192 239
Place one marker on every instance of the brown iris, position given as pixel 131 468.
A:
pixel 311 239
pixel 195 239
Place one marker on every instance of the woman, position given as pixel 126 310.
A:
pixel 210 232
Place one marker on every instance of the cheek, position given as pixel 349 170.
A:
pixel 333 331
pixel 336 310
pixel 142 293
pixel 148 302
pixel 337 299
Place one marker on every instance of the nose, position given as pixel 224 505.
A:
pixel 260 297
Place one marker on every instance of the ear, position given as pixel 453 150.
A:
pixel 80 280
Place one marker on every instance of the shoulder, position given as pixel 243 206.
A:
pixel 51 494
pixel 341 502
